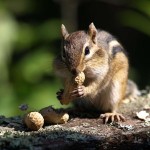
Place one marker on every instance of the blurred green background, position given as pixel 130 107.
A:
pixel 30 39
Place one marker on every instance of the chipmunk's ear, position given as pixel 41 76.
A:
pixel 64 31
pixel 92 32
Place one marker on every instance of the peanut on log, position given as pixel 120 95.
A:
pixel 53 116
pixel 34 120
pixel 70 84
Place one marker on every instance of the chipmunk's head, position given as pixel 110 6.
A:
pixel 78 48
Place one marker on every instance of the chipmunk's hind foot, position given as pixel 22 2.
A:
pixel 111 117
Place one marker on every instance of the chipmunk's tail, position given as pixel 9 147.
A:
pixel 132 91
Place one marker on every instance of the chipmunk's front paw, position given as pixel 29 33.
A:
pixel 59 94
pixel 112 117
pixel 78 92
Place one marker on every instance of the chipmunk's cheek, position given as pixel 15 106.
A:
pixel 89 73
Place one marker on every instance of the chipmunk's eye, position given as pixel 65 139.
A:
pixel 87 50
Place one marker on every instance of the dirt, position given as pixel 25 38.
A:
pixel 82 131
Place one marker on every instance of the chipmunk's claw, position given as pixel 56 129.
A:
pixel 78 92
pixel 112 117
pixel 59 94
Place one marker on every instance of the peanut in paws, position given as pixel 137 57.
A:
pixel 70 85
pixel 79 79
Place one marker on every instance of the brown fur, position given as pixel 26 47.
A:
pixel 106 72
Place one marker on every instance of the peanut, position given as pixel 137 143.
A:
pixel 70 84
pixel 34 120
pixel 53 116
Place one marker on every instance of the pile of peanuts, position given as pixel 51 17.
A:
pixel 35 120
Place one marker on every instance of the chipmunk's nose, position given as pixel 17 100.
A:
pixel 75 71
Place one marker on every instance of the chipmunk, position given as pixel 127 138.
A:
pixel 105 64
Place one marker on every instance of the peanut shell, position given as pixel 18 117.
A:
pixel 53 116
pixel 70 84
pixel 34 121
pixel 79 79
